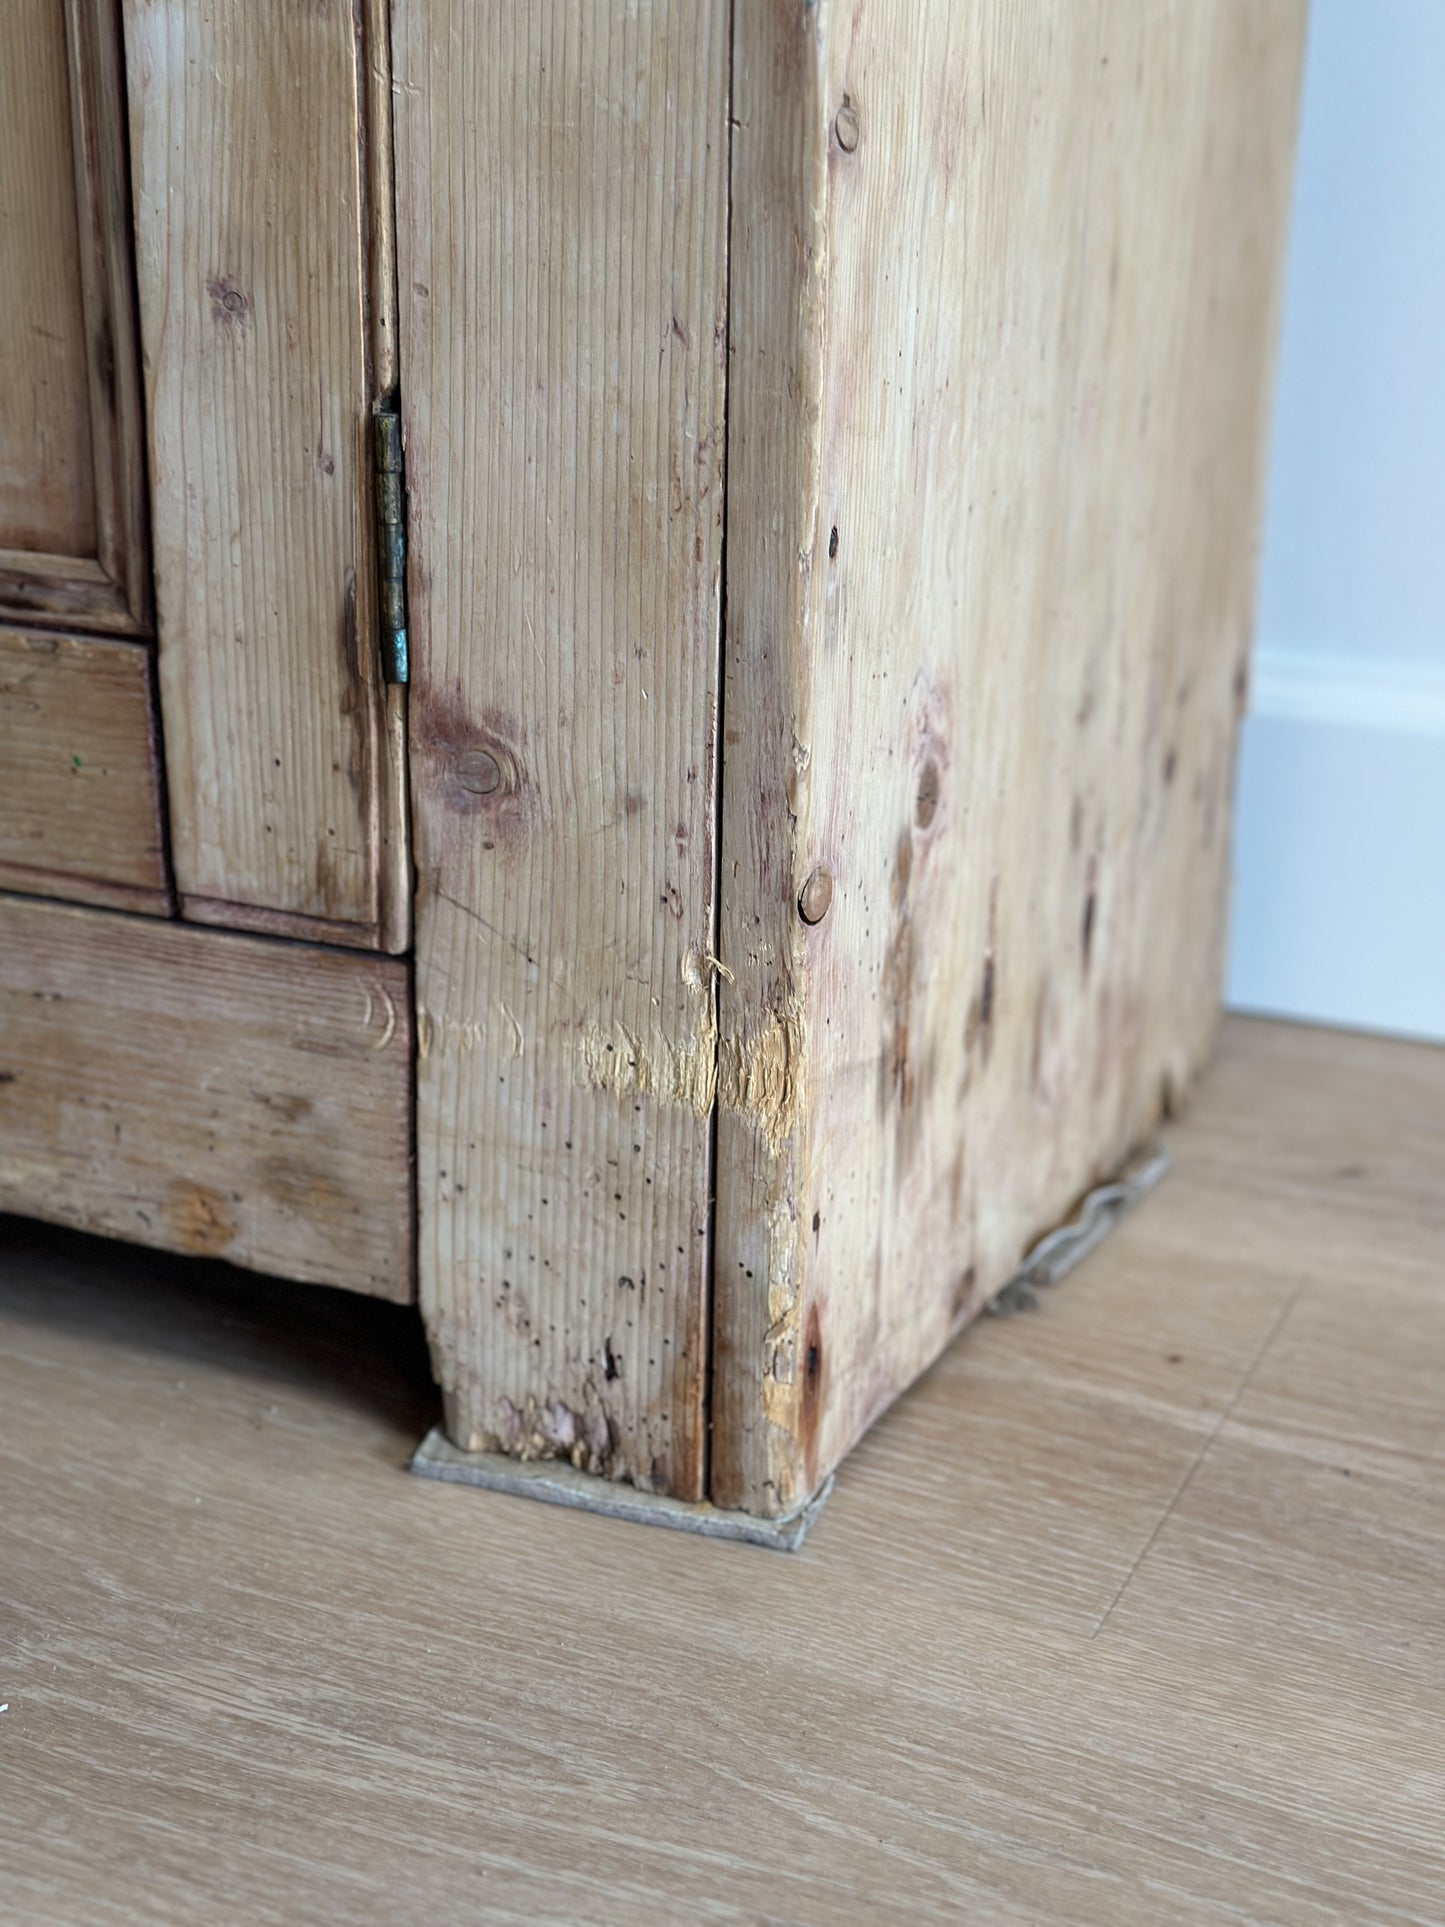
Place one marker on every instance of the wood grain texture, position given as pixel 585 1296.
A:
pixel 1004 286
pixel 80 811
pixel 47 483
pixel 251 218
pixel 380 151
pixel 1127 1614
pixel 561 194
pixel 72 459
pixel 208 1093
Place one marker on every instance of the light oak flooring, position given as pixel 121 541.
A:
pixel 1132 1611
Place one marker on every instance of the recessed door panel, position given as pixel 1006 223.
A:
pixel 72 469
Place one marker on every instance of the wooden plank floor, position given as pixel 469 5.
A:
pixel 1133 1611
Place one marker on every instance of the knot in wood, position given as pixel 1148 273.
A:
pixel 479 771
pixel 816 896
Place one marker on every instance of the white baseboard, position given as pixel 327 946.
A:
pixel 1339 847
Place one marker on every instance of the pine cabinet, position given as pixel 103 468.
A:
pixel 621 633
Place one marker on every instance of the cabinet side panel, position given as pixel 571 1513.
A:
pixel 561 195
pixel 80 812
pixel 246 164
pixel 209 1093
pixel 996 664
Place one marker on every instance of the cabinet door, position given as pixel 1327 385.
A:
pixel 72 467
pixel 79 770
pixel 253 258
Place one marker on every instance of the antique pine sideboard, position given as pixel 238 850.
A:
pixel 621 634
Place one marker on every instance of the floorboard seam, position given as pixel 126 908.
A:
pixel 1202 1454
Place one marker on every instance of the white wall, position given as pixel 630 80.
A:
pixel 1339 909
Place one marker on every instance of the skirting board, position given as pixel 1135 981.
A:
pixel 557 1483
pixel 1339 898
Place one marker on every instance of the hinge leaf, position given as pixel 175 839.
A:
pixel 390 539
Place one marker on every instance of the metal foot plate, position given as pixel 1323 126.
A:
pixel 556 1483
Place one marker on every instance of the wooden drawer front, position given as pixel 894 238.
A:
pixel 80 812
pixel 223 1095
pixel 72 465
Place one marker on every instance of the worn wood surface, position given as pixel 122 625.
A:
pixel 1129 1613
pixel 561 193
pixel 1003 295
pixel 72 460
pixel 251 222
pixel 80 812
pixel 208 1093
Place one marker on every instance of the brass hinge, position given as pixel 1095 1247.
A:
pixel 390 539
